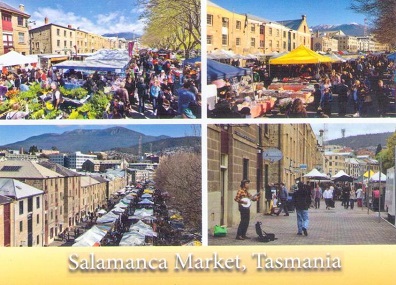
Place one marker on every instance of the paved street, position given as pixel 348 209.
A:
pixel 327 227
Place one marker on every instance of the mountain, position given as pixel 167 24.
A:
pixel 128 36
pixel 362 141
pixel 348 29
pixel 86 140
pixel 165 144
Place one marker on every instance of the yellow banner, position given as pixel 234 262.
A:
pixel 200 265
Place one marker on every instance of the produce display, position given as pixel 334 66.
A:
pixel 78 104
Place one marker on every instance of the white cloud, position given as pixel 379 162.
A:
pixel 100 24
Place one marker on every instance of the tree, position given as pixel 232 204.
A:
pixel 387 155
pixel 33 149
pixel 172 24
pixel 382 13
pixel 378 150
pixel 180 175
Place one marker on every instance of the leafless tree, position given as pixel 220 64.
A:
pixel 180 175
pixel 382 15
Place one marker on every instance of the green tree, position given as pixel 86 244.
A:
pixel 378 150
pixel 387 155
pixel 33 149
pixel 382 15
pixel 172 24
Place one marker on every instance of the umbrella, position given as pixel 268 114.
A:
pixel 368 174
pixel 315 174
pixel 376 177
pixel 342 176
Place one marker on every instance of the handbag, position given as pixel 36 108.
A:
pixel 219 231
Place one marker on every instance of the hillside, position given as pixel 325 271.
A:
pixel 86 140
pixel 165 145
pixel 362 141
pixel 348 29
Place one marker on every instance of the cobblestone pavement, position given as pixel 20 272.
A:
pixel 337 226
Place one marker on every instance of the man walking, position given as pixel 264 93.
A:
pixel 302 201
pixel 283 200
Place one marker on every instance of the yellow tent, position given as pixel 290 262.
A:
pixel 367 174
pixel 301 55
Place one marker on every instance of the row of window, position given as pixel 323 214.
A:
pixel 7 18
pixel 30 205
pixel 238 26
pixel 224 42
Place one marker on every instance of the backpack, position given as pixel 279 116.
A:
pixel 262 235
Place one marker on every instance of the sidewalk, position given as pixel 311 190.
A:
pixel 337 226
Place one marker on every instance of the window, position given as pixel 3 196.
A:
pixel 284 45
pixel 30 205
pixel 20 207
pixel 6 17
pixel 58 32
pixel 64 33
pixel 238 25
pixel 209 20
pixel 38 239
pixel 261 30
pixel 8 41
pixel 71 44
pixel 252 42
pixel 65 44
pixel 58 45
pixel 238 41
pixel 20 21
pixel 224 22
pixel 224 40
pixel 37 202
pixel 270 31
pixel 51 232
pixel 245 174
pixel 270 43
pixel 20 226
pixel 261 44
pixel 70 34
pixel 277 32
pixel 38 218
pixel 209 39
pixel 253 28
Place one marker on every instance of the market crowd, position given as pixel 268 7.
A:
pixel 361 87
pixel 152 86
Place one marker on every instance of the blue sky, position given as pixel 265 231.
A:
pixel 96 16
pixel 14 133
pixel 318 12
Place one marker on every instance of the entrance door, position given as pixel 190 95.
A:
pixel 30 231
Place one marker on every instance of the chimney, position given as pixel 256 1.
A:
pixel 46 20
pixel 21 8
pixel 304 17
pixel 69 26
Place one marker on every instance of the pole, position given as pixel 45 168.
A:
pixel 379 201
pixel 368 189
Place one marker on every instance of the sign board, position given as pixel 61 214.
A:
pixel 303 166
pixel 272 154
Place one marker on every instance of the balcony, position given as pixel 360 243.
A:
pixel 7 26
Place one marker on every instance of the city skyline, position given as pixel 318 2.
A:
pixel 321 12
pixel 107 17
pixel 20 133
